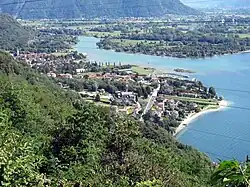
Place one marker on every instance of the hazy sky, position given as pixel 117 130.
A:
pixel 216 3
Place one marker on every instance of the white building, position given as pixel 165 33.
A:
pixel 51 74
pixel 82 70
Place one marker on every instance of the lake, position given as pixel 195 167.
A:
pixel 221 135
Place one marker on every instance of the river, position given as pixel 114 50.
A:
pixel 221 135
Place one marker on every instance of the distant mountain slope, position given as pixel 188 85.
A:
pixel 12 34
pixel 94 8
pixel 232 4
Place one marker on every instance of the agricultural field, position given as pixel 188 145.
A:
pixel 195 100
pixel 102 34
pixel 142 70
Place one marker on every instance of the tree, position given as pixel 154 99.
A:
pixel 97 98
pixel 144 92
pixel 232 173
pixel 147 116
pixel 79 144
pixel 86 76
pixel 148 90
pixel 111 89
pixel 212 91
pixel 19 158
pixel 154 183
pixel 123 136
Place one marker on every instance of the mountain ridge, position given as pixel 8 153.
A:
pixel 94 8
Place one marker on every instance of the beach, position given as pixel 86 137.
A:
pixel 193 116
pixel 247 51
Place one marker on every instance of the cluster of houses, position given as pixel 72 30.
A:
pixel 61 75
pixel 170 86
pixel 64 66
pixel 68 67
pixel 171 103
pixel 121 101
pixel 30 58
pixel 184 88
pixel 174 109
pixel 124 98
pixel 112 76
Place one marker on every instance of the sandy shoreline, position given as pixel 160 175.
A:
pixel 222 104
pixel 247 51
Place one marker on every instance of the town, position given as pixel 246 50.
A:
pixel 159 97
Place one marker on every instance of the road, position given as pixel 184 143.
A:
pixel 151 101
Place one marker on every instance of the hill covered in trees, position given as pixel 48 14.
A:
pixel 50 137
pixel 12 34
pixel 94 8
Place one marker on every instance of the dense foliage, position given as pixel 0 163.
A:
pixel 50 137
pixel 51 43
pixel 203 42
pixel 232 173
pixel 95 8
pixel 12 34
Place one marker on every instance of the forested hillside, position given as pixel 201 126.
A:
pixel 12 34
pixel 50 137
pixel 94 8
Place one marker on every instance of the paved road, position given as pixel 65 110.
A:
pixel 151 100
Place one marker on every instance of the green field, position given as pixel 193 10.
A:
pixel 134 42
pixel 212 107
pixel 195 100
pixel 103 34
pixel 105 100
pixel 101 103
pixel 142 70
pixel 244 35
pixel 60 54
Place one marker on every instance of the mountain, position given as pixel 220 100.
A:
pixel 12 34
pixel 93 8
pixel 229 4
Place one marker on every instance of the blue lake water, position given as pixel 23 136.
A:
pixel 221 135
